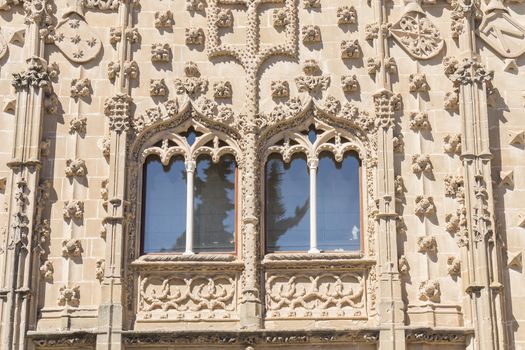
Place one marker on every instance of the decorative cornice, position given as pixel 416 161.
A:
pixel 321 336
pixel 62 339
pixel 429 335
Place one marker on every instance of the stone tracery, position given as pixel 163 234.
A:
pixel 251 132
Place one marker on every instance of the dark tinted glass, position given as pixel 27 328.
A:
pixel 338 203
pixel 287 205
pixel 214 205
pixel 164 203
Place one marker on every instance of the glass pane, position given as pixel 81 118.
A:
pixel 214 205
pixel 287 205
pixel 164 204
pixel 338 203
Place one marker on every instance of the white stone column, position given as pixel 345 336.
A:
pixel 312 165
pixel 190 174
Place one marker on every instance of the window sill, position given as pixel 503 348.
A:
pixel 182 257
pixel 318 260
pixel 179 261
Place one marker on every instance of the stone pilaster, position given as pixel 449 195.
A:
pixel 482 248
pixel 390 305
pixel 17 276
pixel 117 109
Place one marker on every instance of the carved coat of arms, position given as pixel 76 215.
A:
pixel 502 33
pixel 417 34
pixel 77 41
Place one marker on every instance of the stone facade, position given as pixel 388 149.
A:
pixel 427 92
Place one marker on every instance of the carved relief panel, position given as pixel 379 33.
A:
pixel 321 295
pixel 187 297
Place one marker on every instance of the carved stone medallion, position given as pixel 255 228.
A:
pixel 417 35
pixel 502 33
pixel 77 41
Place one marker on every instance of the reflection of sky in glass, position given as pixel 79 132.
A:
pixel 287 196
pixel 164 205
pixel 214 209
pixel 338 203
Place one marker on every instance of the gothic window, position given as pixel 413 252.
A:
pixel 313 193
pixel 188 195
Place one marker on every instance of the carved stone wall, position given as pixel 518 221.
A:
pixel 427 93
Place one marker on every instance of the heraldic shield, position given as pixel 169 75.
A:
pixel 77 41
pixel 417 34
pixel 502 33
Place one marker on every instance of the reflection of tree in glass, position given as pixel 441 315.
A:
pixel 213 205
pixel 276 224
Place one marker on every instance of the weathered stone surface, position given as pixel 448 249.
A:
pixel 428 94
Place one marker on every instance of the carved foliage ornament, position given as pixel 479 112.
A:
pixel 102 4
pixel 155 115
pixel 69 296
pixel 452 144
pixel 350 49
pixel 222 89
pixel 429 291
pixel 424 206
pixel 349 83
pixel 346 15
pixel 75 167
pixel 71 248
pixel 421 163
pixel 188 294
pixel 80 87
pixel 280 88
pixel 418 83
pixel 324 295
pixel 311 34
pixel 73 210
pixel 461 10
pixel 466 71
pixel 164 19
pixel 36 11
pixel 417 35
pixel 157 87
pixel 160 52
pixel 312 83
pixel 419 121
pixel 36 76
pixel 426 244
pixel 75 38
pixel 280 18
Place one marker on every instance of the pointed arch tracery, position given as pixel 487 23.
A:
pixel 338 134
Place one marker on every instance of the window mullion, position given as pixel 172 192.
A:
pixel 312 165
pixel 190 173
